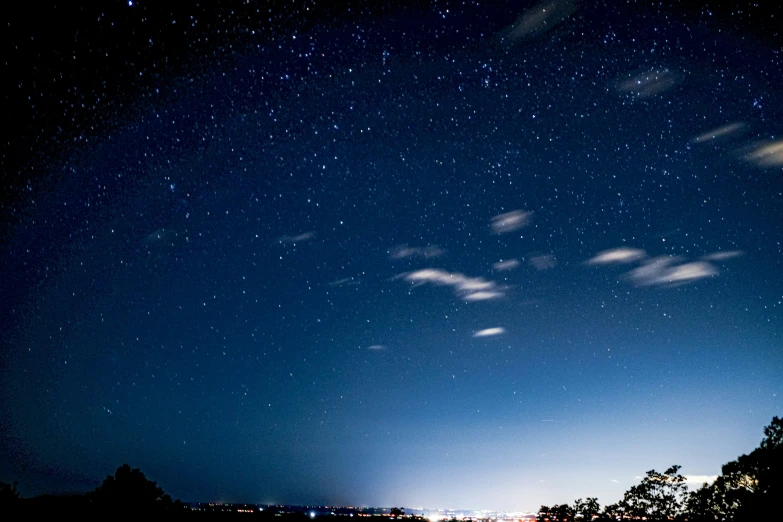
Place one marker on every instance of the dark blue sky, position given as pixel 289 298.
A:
pixel 451 256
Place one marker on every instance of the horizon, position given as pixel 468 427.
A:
pixel 503 255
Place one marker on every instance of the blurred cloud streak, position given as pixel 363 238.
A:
pixel 724 131
pixel 723 255
pixel 489 332
pixel 510 221
pixel 427 252
pixel 649 83
pixel 766 154
pixel 539 19
pixel 506 264
pixel 659 271
pixel 617 255
pixel 543 262
pixel 299 238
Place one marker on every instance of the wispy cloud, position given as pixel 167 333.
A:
pixel 482 295
pixel 345 281
pixel 649 83
pixel 376 347
pixel 662 270
pixel 766 153
pixel 505 264
pixel 617 255
pixel 723 255
pixel 298 238
pixel 489 332
pixel 543 262
pixel 700 479
pixel 539 19
pixel 723 131
pixel 467 288
pixel 427 252
pixel 510 221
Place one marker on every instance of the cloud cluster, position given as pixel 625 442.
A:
pixel 510 221
pixel 489 332
pixel 662 270
pixel 766 153
pixel 427 252
pixel 467 288
pixel 666 270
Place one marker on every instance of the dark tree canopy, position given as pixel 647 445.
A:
pixel 748 489
pixel 129 489
pixel 8 494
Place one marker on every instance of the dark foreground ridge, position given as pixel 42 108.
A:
pixel 749 489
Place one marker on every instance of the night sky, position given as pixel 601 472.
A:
pixel 429 254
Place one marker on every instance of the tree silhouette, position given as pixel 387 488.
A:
pixel 8 496
pixel 397 512
pixel 129 490
pixel 748 487
pixel 659 496
pixel 556 513
pixel 586 509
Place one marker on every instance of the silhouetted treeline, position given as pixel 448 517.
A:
pixel 748 489
pixel 129 493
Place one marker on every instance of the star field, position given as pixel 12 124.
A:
pixel 442 255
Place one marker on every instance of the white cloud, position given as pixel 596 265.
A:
pixel 427 252
pixel 510 221
pixel 298 238
pixel 723 255
pixel 659 271
pixel 376 347
pixel 700 479
pixel 690 271
pixel 617 255
pixel 488 332
pixel 468 288
pixel 507 264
